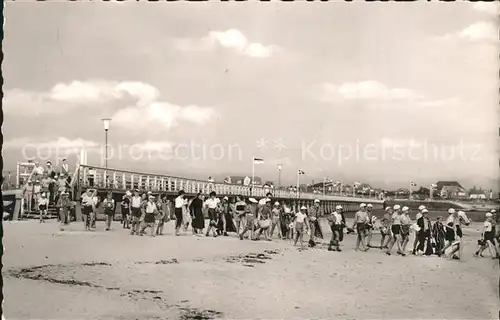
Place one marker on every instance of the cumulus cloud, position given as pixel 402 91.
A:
pixel 373 91
pixel 231 39
pixel 492 8
pixel 103 91
pixel 162 113
pixel 365 90
pixel 481 31
pixel 155 145
pixel 61 143
pixel 146 111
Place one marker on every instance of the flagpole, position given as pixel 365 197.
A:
pixel 253 175
pixel 411 183
pixel 298 183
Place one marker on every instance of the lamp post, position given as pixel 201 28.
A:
pixel 106 122
pixel 279 175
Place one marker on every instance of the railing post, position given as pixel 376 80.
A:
pixel 115 183
pixel 132 186
pixel 124 181
pixel 85 175
pixel 139 184
pixel 156 183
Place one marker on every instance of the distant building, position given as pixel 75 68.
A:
pixel 450 190
pixel 244 180
pixel 478 194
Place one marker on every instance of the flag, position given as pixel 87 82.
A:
pixel 413 184
pixel 433 186
pixel 258 160
pixel 301 172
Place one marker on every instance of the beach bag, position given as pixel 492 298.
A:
pixel 415 227
pixel 264 224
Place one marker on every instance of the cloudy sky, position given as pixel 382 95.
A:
pixel 383 93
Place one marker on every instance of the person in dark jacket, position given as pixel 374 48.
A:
pixel 424 234
pixel 196 210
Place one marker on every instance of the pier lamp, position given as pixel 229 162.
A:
pixel 106 122
pixel 279 175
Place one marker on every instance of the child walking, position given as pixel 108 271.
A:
pixel 43 204
pixel 301 226
pixel 150 211
pixel 487 238
pixel 160 216
pixel 109 209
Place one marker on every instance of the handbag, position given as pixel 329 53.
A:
pixel 264 224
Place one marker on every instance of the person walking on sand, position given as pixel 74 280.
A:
pixel 313 216
pixel 438 234
pixel 264 220
pixel 335 222
pixel 240 208
pixel 424 234
pixel 360 221
pixel 275 220
pixel 370 224
pixel 405 228
pixel 109 210
pixel 186 215
pixel 488 238
pixel 196 209
pixel 385 228
pixel 87 201
pixel 212 204
pixel 417 217
pixel 43 205
pixel 395 227
pixel 135 211
pixel 125 209
pixel 224 212
pixel 149 214
pixel 301 225
pixel 250 216
pixel 449 227
pixel 178 211
pixel 286 219
pixel 64 206
pixel 160 215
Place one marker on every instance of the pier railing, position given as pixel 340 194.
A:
pixel 113 179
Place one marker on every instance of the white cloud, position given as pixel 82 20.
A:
pixel 231 39
pixel 161 113
pixel 373 91
pixel 103 91
pixel 365 90
pixel 492 8
pixel 155 145
pixel 477 32
pixel 146 111
pixel 53 150
pixel 441 103
pixel 61 143
pixel 480 31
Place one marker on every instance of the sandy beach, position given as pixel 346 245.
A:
pixel 111 275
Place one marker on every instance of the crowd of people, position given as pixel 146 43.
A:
pixel 46 186
pixel 256 220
